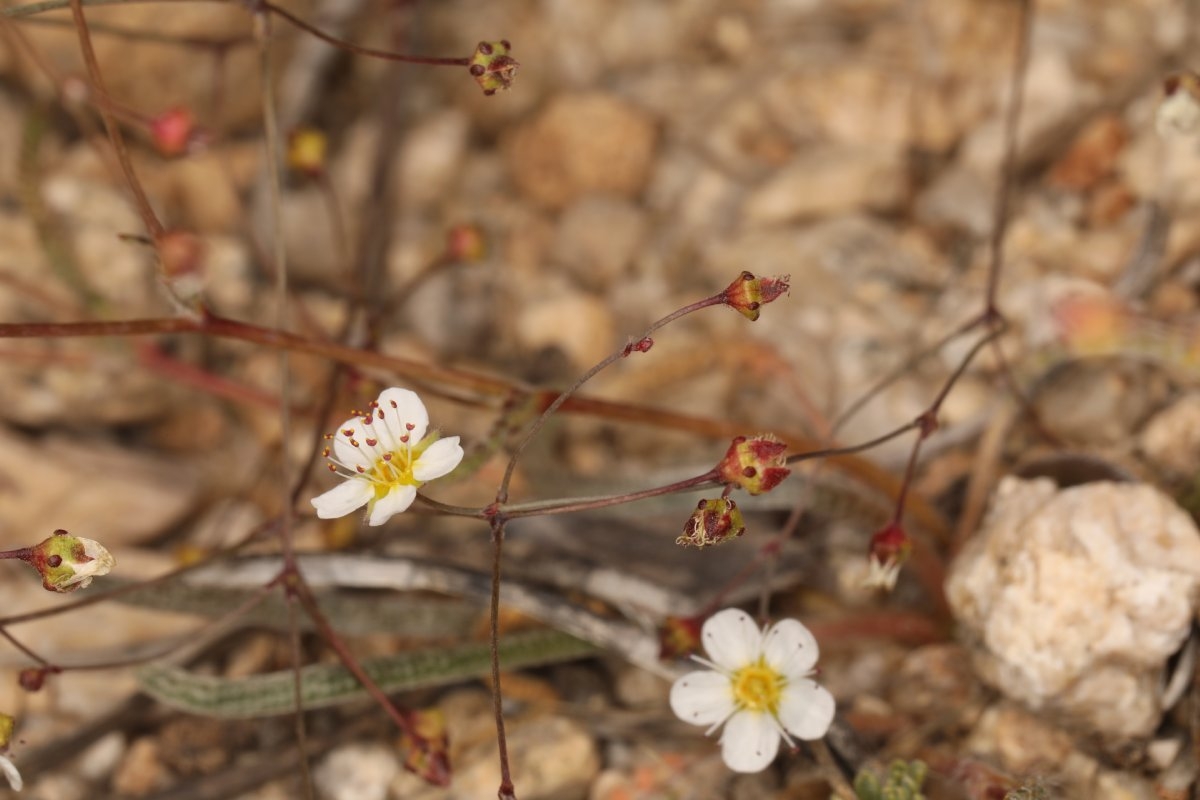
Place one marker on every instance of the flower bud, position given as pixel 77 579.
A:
pixel 31 679
pixel 756 464
pixel 466 243
pixel 67 562
pixel 749 294
pixel 427 746
pixel 173 131
pixel 307 150
pixel 492 66
pixel 1179 112
pixel 713 522
pixel 679 637
pixel 890 548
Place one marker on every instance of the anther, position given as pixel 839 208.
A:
pixel 372 442
pixel 348 432
pixel 354 442
pixel 360 469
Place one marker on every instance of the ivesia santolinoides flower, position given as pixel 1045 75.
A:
pixel 7 723
pixel 757 685
pixel 67 562
pixel 385 456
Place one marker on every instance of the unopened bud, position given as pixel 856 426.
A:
pixel 713 522
pixel 1179 112
pixel 31 679
pixel 307 150
pixel 749 294
pixel 427 746
pixel 757 464
pixel 466 243
pixel 492 66
pixel 173 131
pixel 67 562
pixel 679 637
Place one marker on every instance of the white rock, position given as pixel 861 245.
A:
pixel 357 772
pixel 1073 600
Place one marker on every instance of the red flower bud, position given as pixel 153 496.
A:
pixel 173 131
pixel 756 464
pixel 749 294
pixel 679 637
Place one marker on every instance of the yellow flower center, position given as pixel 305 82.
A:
pixel 758 687
pixel 396 468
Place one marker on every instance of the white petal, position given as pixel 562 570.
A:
pixel 347 453
pixel 750 742
pixel 343 498
pixel 408 410
pixel 702 698
pixel 806 709
pixel 10 771
pixel 395 501
pixel 731 639
pixel 790 648
pixel 439 459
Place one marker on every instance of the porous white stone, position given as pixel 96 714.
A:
pixel 1072 600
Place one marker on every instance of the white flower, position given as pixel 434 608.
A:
pixel 881 574
pixel 385 456
pixel 757 685
pixel 11 772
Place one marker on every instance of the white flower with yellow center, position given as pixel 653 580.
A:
pixel 385 456
pixel 757 685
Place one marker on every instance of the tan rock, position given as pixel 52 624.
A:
pixel 597 238
pixel 89 487
pixel 828 180
pixel 141 772
pixel 152 78
pixel 581 143
pixel 578 324
pixel 1171 439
